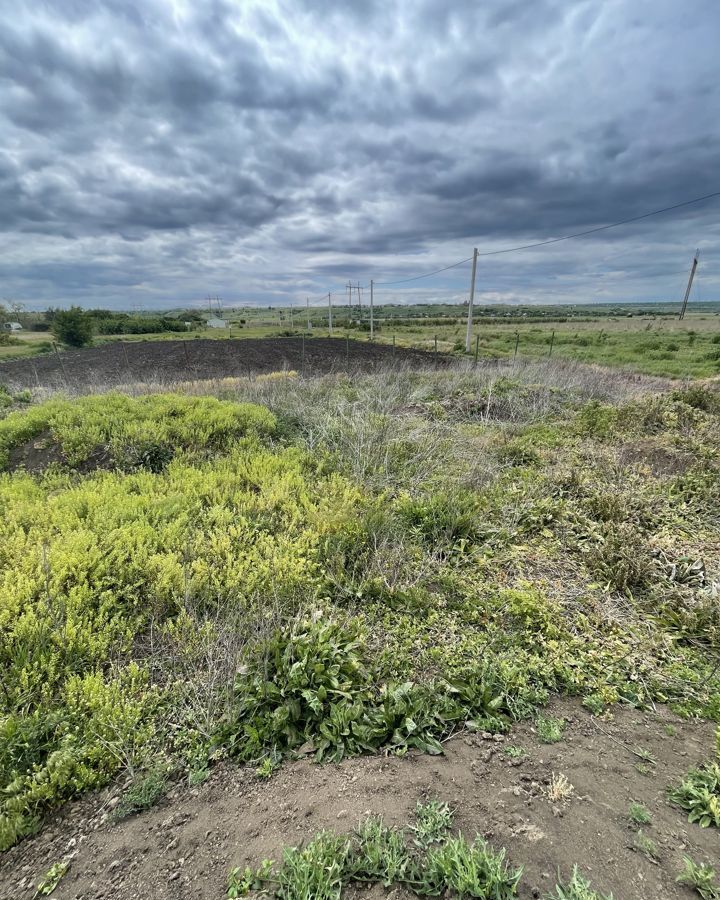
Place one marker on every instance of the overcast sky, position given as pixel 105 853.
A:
pixel 152 152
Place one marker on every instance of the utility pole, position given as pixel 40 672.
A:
pixel 468 339
pixel 372 323
pixel 330 313
pixel 689 284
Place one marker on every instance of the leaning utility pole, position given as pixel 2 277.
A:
pixel 330 313
pixel 372 323
pixel 689 284
pixel 468 339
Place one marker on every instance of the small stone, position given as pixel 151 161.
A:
pixel 114 865
pixel 342 814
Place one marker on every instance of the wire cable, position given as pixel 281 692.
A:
pixel 577 234
pixel 566 237
pixel 425 275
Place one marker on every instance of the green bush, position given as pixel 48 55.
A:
pixel 312 690
pixel 73 327
pixel 699 794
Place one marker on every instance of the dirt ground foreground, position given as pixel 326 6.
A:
pixel 184 847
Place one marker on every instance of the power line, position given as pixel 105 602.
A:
pixel 567 237
pixel 577 234
pixel 426 275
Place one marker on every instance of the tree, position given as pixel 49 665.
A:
pixel 72 326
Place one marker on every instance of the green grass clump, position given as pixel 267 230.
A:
pixel 316 872
pixel 647 846
pixel 638 814
pixel 143 793
pixel 701 877
pixel 378 854
pixel 699 794
pixel 578 888
pixel 52 878
pixel 434 821
pixel 550 729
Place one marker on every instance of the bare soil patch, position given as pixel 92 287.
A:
pixel 171 361
pixel 43 451
pixel 183 848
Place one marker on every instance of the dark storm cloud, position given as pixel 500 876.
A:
pixel 268 147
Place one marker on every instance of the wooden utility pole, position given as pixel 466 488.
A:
pixel 330 313
pixel 689 284
pixel 468 338
pixel 372 323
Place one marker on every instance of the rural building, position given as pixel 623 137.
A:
pixel 12 326
pixel 215 322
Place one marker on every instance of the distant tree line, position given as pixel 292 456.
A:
pixel 76 327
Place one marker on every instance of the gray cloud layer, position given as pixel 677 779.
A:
pixel 154 151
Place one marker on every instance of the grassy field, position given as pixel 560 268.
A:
pixel 334 566
pixel 646 339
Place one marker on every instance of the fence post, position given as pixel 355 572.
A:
pixel 302 365
pixel 372 322
pixel 393 346
pixel 477 347
pixel 347 352
pixel 60 360
pixel 517 341
pixel 435 345
pixel 329 314
pixel 552 341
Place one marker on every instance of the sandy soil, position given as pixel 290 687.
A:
pixel 183 848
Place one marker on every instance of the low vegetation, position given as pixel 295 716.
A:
pixel 701 877
pixel 437 865
pixel 335 566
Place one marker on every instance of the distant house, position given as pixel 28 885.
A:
pixel 12 326
pixel 215 322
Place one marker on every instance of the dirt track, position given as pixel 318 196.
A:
pixel 183 848
pixel 168 361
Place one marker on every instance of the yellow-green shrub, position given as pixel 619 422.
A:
pixel 129 428
pixel 87 564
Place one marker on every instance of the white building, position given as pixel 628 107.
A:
pixel 12 326
pixel 216 322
